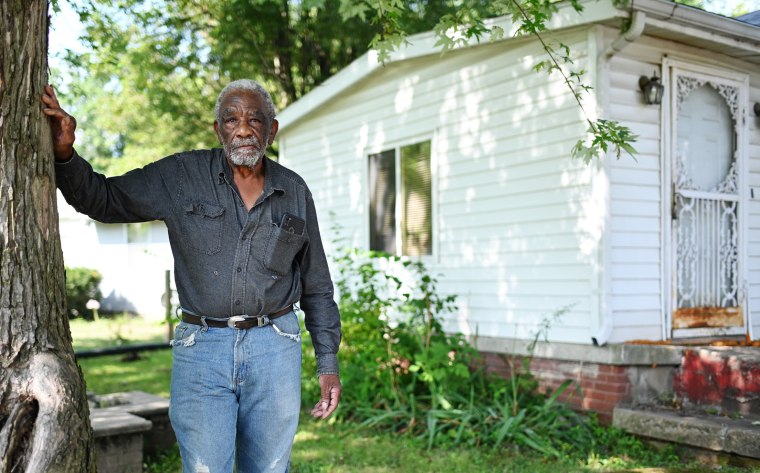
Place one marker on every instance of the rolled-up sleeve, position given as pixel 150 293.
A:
pixel 317 298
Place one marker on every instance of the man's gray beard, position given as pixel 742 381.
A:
pixel 239 158
pixel 244 159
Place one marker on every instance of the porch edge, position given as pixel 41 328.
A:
pixel 617 354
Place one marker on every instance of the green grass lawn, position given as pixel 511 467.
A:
pixel 150 372
pixel 109 374
pixel 324 446
pixel 116 330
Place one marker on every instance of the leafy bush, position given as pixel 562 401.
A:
pixel 404 374
pixel 81 286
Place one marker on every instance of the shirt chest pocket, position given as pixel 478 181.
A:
pixel 202 226
pixel 282 248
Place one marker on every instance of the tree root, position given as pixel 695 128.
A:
pixel 48 428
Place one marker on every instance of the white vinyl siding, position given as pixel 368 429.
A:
pixel 508 198
pixel 634 235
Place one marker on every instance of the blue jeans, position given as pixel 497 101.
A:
pixel 236 396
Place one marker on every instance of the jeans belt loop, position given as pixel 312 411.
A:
pixel 205 325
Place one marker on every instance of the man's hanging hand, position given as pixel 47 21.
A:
pixel 331 390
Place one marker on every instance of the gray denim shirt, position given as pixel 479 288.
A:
pixel 227 261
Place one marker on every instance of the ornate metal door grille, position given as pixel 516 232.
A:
pixel 706 208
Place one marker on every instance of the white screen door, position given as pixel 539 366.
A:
pixel 706 206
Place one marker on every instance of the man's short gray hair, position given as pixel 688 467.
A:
pixel 250 86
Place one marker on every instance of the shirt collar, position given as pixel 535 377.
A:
pixel 273 181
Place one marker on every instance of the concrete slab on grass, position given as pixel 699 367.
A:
pixel 720 434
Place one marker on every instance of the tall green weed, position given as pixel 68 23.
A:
pixel 404 374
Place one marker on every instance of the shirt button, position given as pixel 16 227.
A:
pixel 239 269
pixel 237 302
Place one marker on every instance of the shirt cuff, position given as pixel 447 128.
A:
pixel 68 160
pixel 327 363
pixel 72 165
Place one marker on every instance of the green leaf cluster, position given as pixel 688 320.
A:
pixel 147 83
pixel 605 135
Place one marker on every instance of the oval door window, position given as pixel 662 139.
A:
pixel 705 138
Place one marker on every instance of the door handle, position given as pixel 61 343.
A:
pixel 673 208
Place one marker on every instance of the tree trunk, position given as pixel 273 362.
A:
pixel 44 419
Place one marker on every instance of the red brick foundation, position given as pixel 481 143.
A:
pixel 597 387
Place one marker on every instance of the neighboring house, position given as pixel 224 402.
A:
pixel 463 161
pixel 132 258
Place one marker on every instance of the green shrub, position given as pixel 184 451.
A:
pixel 404 374
pixel 81 286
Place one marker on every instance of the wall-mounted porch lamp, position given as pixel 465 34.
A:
pixel 756 109
pixel 652 89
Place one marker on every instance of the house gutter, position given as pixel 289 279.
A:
pixel 708 35
pixel 630 35
pixel 668 14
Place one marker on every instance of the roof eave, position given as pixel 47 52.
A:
pixel 706 21
pixel 424 44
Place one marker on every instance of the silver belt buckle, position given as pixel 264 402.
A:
pixel 233 320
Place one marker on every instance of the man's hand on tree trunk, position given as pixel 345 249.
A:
pixel 62 126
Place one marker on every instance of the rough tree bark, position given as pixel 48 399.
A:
pixel 44 419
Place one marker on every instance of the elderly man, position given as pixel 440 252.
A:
pixel 246 244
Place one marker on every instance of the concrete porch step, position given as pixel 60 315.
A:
pixel 714 433
pixel 728 377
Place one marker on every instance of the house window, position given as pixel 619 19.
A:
pixel 400 209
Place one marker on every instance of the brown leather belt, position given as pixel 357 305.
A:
pixel 236 321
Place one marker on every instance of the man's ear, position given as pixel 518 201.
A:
pixel 216 129
pixel 273 130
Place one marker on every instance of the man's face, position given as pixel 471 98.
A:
pixel 244 130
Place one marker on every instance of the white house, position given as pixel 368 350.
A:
pixel 132 258
pixel 463 160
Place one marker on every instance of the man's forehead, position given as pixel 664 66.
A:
pixel 241 99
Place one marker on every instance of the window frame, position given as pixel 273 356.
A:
pixel 396 147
